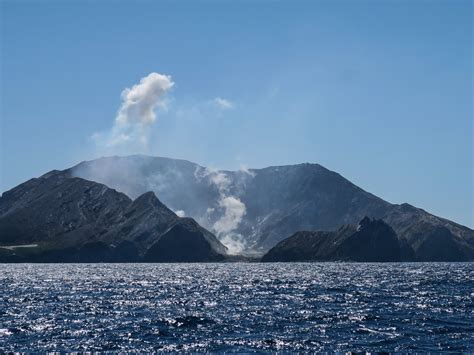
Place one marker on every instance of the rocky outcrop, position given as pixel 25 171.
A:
pixel 431 238
pixel 369 241
pixel 185 242
pixel 55 207
pixel 279 201
pixel 64 209
pixel 60 218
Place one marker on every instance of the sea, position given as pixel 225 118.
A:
pixel 238 307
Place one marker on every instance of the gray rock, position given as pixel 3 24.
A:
pixel 60 218
pixel 369 241
pixel 279 201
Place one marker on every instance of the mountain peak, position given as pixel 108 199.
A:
pixel 149 195
pixel 373 241
pixel 149 199
pixel 277 200
pixel 55 173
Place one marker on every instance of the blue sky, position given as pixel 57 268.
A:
pixel 379 91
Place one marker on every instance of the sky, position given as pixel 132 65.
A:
pixel 379 91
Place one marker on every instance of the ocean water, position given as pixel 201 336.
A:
pixel 237 307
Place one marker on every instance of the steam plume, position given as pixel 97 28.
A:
pixel 137 112
pixel 233 211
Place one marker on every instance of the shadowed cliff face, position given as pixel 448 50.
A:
pixel 56 204
pixel 67 219
pixel 251 211
pixel 369 241
pixel 182 243
pixel 278 201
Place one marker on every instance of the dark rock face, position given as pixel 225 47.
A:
pixel 182 244
pixel 144 221
pixel 431 238
pixel 369 241
pixel 59 218
pixel 279 201
pixel 441 245
pixel 373 241
pixel 62 210
pixel 55 204
pixel 126 251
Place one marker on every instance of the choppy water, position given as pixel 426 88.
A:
pixel 237 307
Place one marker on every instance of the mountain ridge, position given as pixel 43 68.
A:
pixel 249 210
pixel 276 201
pixel 60 218
pixel 368 241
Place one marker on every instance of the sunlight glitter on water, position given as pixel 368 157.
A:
pixel 237 307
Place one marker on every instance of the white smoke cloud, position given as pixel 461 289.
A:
pixel 235 243
pixel 244 169
pixel 131 131
pixel 221 181
pixel 233 210
pixel 137 112
pixel 223 103
pixel 139 102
